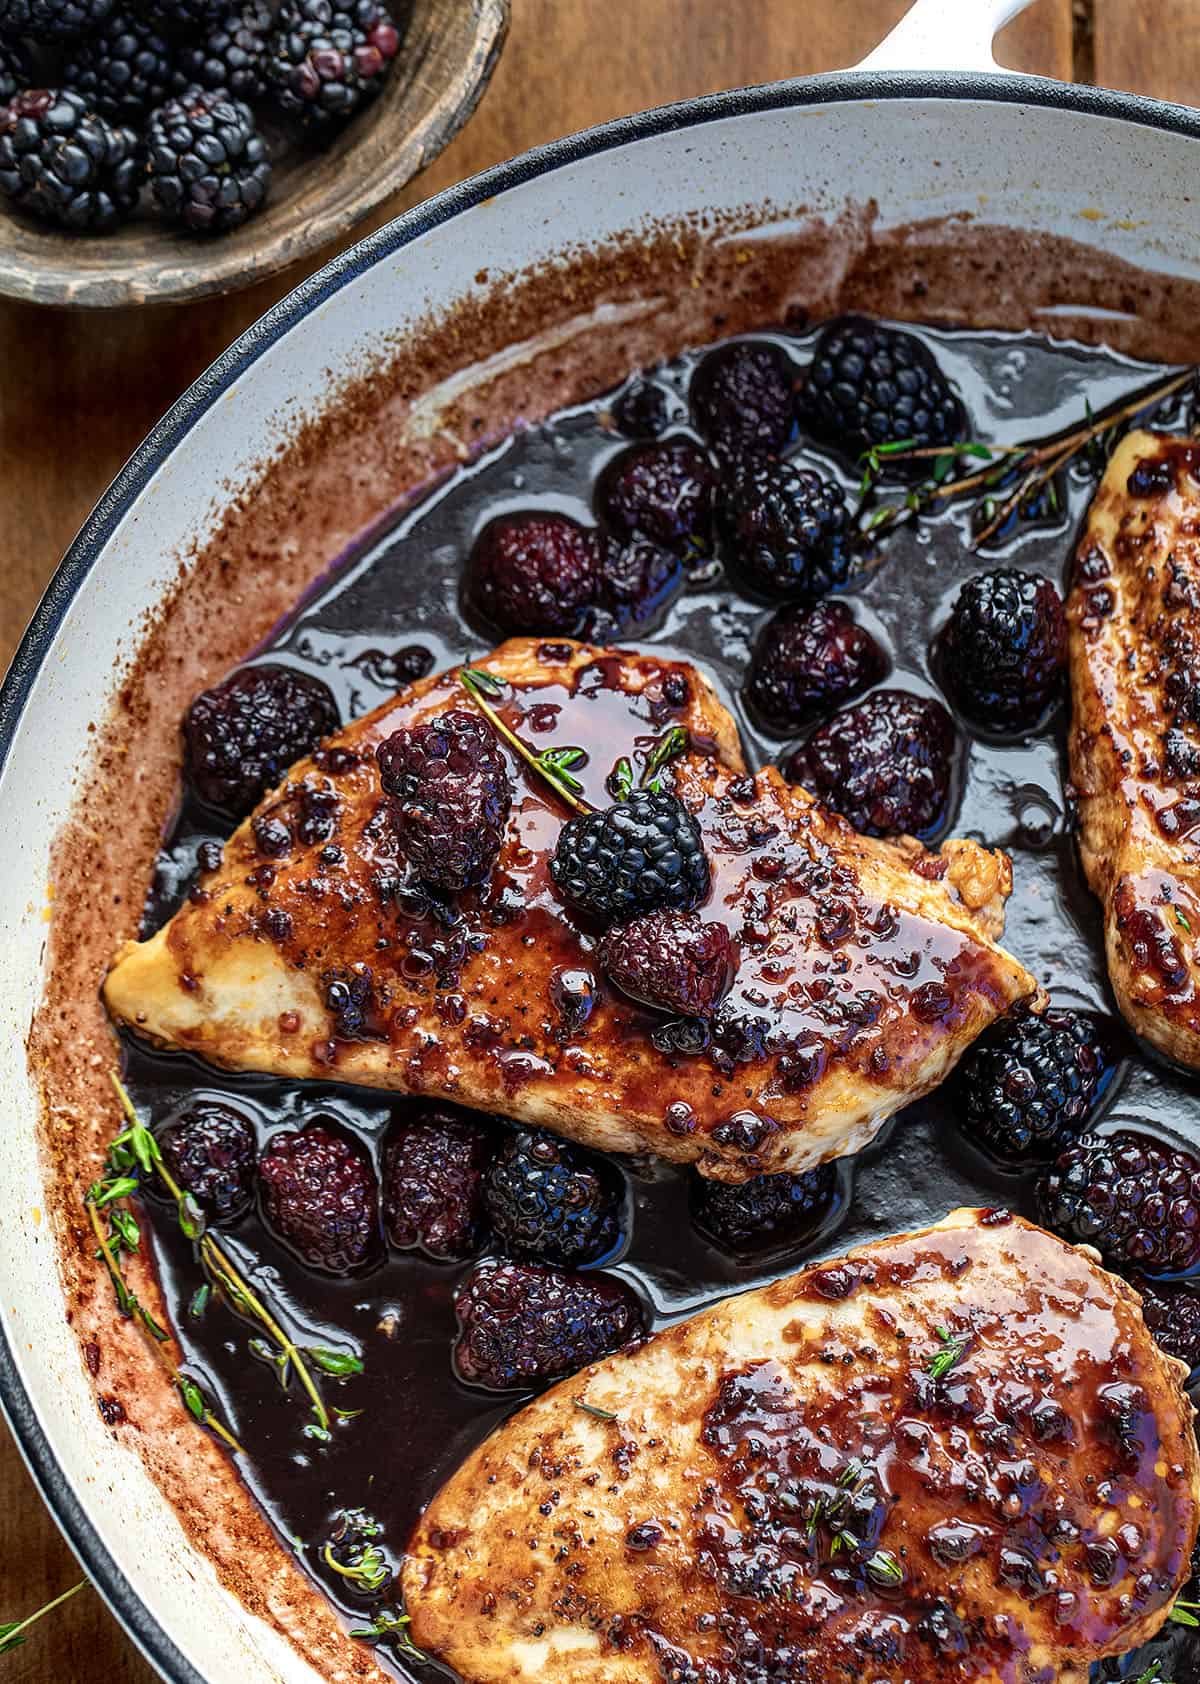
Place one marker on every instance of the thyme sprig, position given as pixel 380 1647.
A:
pixel 1012 476
pixel 594 1410
pixel 1153 1675
pixel 12 1632
pixel 553 764
pixel 953 1349
pixel 1184 1613
pixel 391 1628
pixel 622 781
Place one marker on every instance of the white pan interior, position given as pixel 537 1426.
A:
pixel 1102 178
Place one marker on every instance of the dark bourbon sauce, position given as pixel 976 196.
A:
pixel 358 632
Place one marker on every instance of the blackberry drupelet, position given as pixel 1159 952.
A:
pixel 63 163
pixel 885 764
pixel 241 736
pixel 319 1196
pixel 663 490
pixel 1028 1085
pixel 1004 649
pixel 520 1325
pixel 742 399
pixel 14 70
pixel 208 164
pixel 451 796
pixel 1135 1198
pixel 325 61
pixel 641 410
pixel 785 530
pixel 124 70
pixel 183 18
pixel 434 1163
pixel 533 572
pixel 670 960
pixel 869 385
pixel 638 580
pixel 51 21
pixel 1172 1313
pixel 634 857
pixel 211 1151
pixel 549 1201
pixel 231 52
pixel 768 1210
pixel 808 660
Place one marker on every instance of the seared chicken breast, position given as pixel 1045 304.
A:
pixel 864 969
pixel 1134 615
pixel 953 1455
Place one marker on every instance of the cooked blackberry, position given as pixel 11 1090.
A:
pixel 641 411
pixel 1172 1313
pixel 642 854
pixel 211 1152
pixel 671 960
pixel 520 1325
pixel 124 70
pixel 14 70
pixel 451 796
pixel 63 163
pixel 885 764
pixel 51 21
pixel 1135 1198
pixel 663 490
pixel 550 1201
pixel 319 1196
pixel 868 384
pixel 768 1210
pixel 434 1162
pixel 208 164
pixel 230 53
pixel 808 660
pixel 533 572
pixel 742 399
pixel 1004 649
pixel 241 737
pixel 325 62
pixel 1028 1085
pixel 182 18
pixel 784 530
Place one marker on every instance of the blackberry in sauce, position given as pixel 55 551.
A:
pixel 403 593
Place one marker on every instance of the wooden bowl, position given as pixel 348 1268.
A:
pixel 446 59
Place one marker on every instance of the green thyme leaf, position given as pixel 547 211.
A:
pixel 620 780
pixel 591 1409
pixel 952 1352
pixel 337 1363
pixel 1182 921
pixel 553 763
pixel 107 1191
pixel 193 1397
pixel 669 747
pixel 126 1229
pixel 884 1569
pixel 485 682
pixel 1184 1613
pixel 200 1301
pixel 12 1632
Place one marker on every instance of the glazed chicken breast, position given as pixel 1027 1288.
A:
pixel 1134 616
pixel 953 1455
pixel 862 969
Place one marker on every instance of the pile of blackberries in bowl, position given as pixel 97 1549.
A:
pixel 109 105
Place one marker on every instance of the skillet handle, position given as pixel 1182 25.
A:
pixel 944 35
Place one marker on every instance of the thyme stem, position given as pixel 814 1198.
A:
pixel 12 1634
pixel 544 769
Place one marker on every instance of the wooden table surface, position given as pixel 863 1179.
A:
pixel 78 392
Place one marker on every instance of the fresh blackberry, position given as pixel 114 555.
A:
pixel 638 580
pixel 451 796
pixel 742 400
pixel 870 385
pixel 231 52
pixel 642 854
pixel 533 572
pixel 641 410
pixel 51 21
pixel 184 18
pixel 208 164
pixel 785 530
pixel 433 1168
pixel 1028 1085
pixel 885 764
pixel 663 490
pixel 671 960
pixel 63 163
pixel 211 1152
pixel 326 61
pixel 14 70
pixel 768 1210
pixel 520 1325
pixel 124 70
pixel 1004 650
pixel 1135 1198
pixel 549 1201
pixel 1172 1314
pixel 807 661
pixel 319 1196
pixel 241 737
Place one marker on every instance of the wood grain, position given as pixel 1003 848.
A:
pixel 78 392
pixel 1147 48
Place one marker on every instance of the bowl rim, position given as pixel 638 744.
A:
pixel 117 1590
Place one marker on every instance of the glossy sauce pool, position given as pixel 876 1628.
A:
pixel 417 1421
